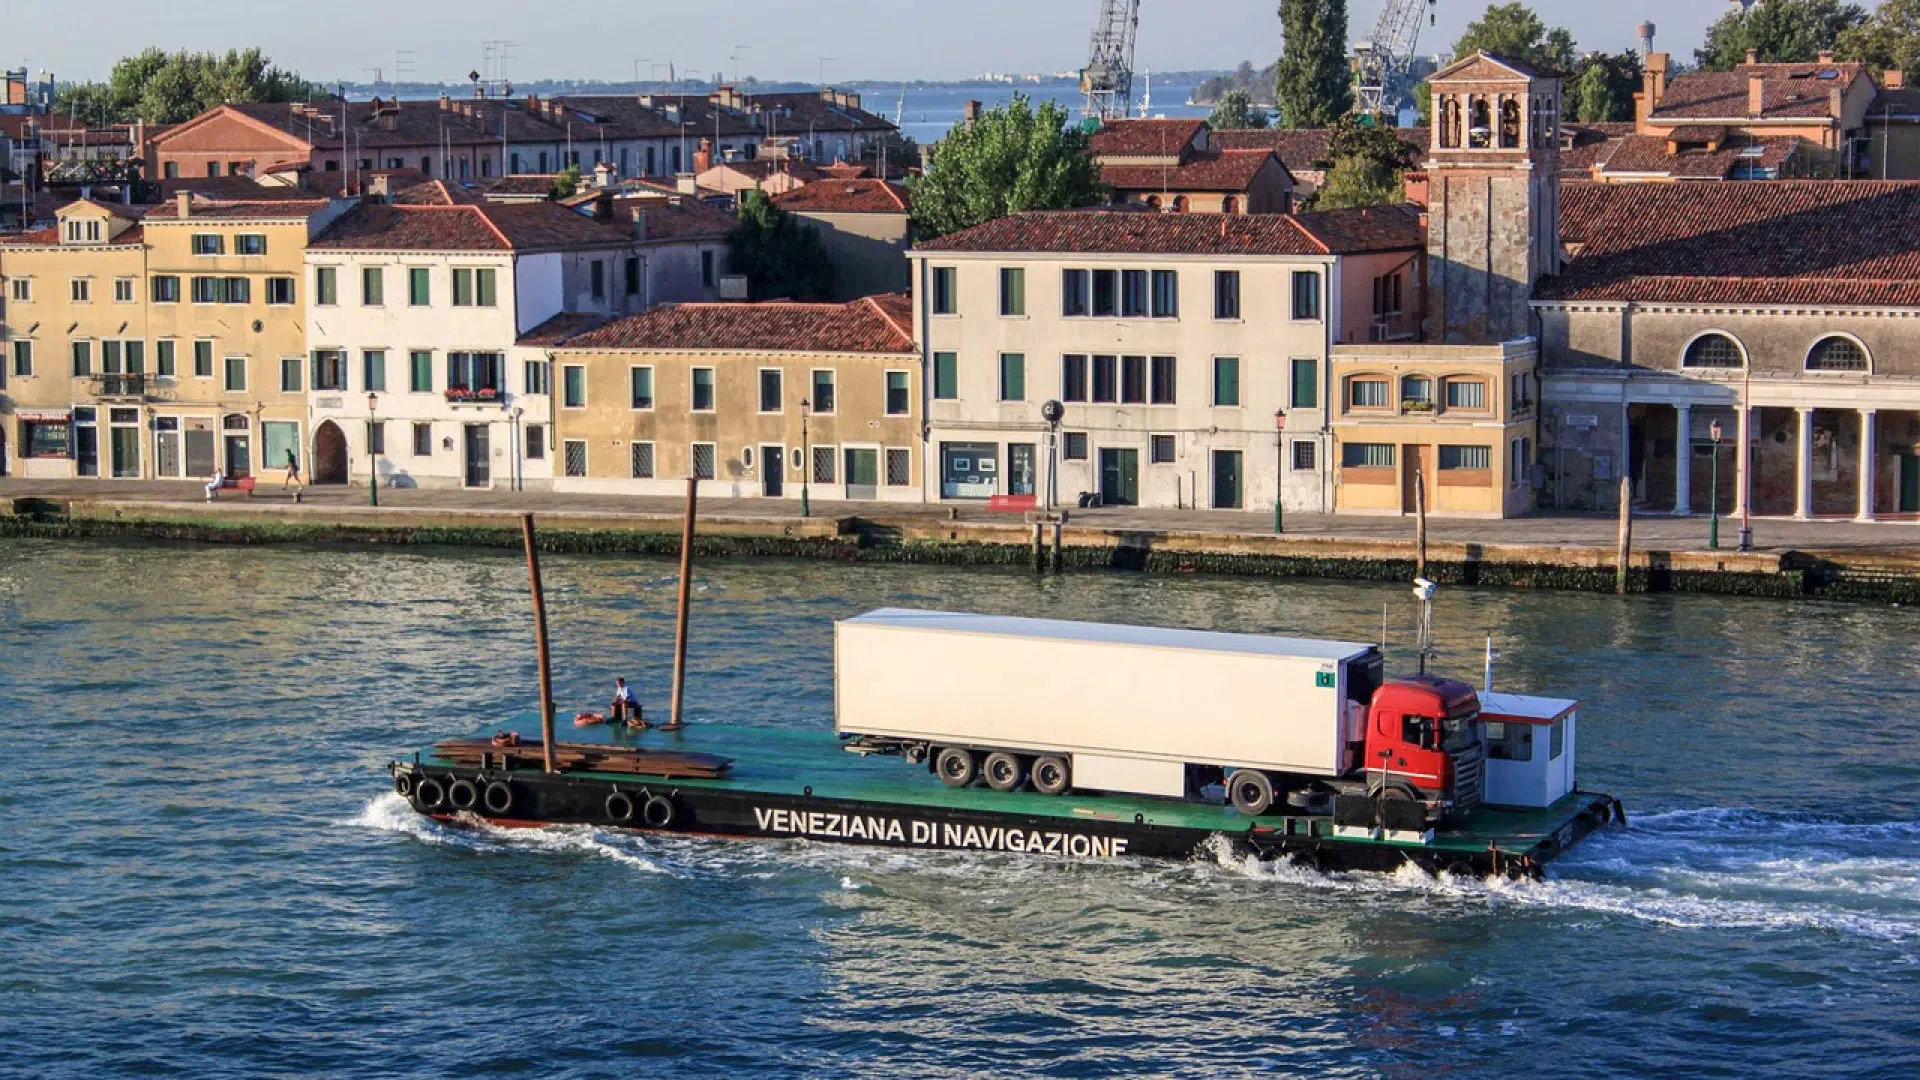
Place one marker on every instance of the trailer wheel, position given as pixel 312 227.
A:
pixel 916 754
pixel 1003 771
pixel 1251 792
pixel 956 766
pixel 1051 775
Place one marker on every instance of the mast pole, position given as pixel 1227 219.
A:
pixel 686 597
pixel 540 643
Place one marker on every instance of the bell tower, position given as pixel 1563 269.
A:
pixel 1493 197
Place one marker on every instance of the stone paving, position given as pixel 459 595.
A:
pixel 1897 539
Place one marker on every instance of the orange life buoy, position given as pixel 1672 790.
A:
pixel 588 719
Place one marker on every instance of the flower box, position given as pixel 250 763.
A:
pixel 485 395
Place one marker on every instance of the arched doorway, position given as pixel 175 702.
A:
pixel 329 454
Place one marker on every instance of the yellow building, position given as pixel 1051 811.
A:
pixel 754 399
pixel 1463 418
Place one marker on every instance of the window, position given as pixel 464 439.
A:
pixel 702 400
pixel 279 290
pixel 575 452
pixel 1106 292
pixel 1073 292
pixel 573 389
pixel 899 466
pixel 1306 294
pixel 81 290
pixel 706 267
pixel 164 288
pixel 898 401
pixel 422 440
pixel 1416 393
pixel 703 455
pixel 1106 379
pixel 329 369
pixel 1355 455
pixel 82 359
pixel 823 459
pixel 823 400
pixel 1522 462
pixel 463 288
pixel 1160 449
pixel 377 436
pixel 1522 390
pixel 1303 456
pixel 1386 296
pixel 1073 377
pixel 203 359
pixel 770 390
pixel 1013 290
pixel 419 292
pixel 944 302
pixel 1466 394
pixel 946 376
pixel 632 268
pixel 1074 446
pixel 1133 293
pixel 640 460
pixel 209 290
pixel 123 290
pixel 239 290
pixel 373 286
pixel 236 380
pixel 326 286
pixel 1166 294
pixel 1160 381
pixel 1465 457
pixel 209 243
pixel 373 370
pixel 21 289
pixel 1226 294
pixel 1712 351
pixel 1013 377
pixel 1133 380
pixel 250 244
pixel 1305 390
pixel 536 442
pixel 535 376
pixel 420 371
pixel 640 387
pixel 23 358
pixel 1837 354
pixel 290 373
pixel 1226 382
pixel 597 274
pixel 484 294
pixel 1367 393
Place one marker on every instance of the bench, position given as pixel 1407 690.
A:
pixel 1012 504
pixel 242 484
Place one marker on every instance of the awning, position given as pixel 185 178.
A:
pixel 44 416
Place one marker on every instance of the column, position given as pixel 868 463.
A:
pixel 1803 473
pixel 1869 434
pixel 1683 460
pixel 1742 458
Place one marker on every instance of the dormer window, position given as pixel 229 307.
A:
pixel 83 231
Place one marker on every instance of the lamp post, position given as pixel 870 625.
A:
pixel 1052 412
pixel 1714 431
pixel 373 455
pixel 806 458
pixel 1279 469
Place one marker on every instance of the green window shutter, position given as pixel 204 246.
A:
pixel 1226 381
pixel 418 293
pixel 1013 377
pixel 1306 383
pixel 946 377
pixel 483 287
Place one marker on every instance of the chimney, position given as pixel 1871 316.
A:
pixel 1836 102
pixel 603 175
pixel 1824 56
pixel 445 103
pixel 639 223
pixel 703 157
pixel 1756 94
pixel 378 187
pixel 1653 84
pixel 533 104
pixel 1753 56
pixel 184 203
pixel 1893 80
pixel 686 184
pixel 972 111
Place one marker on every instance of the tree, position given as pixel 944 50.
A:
pixel 1778 31
pixel 565 182
pixel 1423 103
pixel 901 152
pixel 1368 161
pixel 1237 110
pixel 1513 31
pixel 1602 88
pixel 1013 158
pixel 1889 41
pixel 168 88
pixel 1313 84
pixel 781 257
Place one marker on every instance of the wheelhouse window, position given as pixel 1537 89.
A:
pixel 1712 351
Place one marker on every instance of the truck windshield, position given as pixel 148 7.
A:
pixel 1460 734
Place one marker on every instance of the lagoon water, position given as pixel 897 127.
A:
pixel 204 874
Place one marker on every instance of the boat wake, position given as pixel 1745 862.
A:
pixel 391 813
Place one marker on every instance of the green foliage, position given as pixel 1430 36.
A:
pixel 565 182
pixel 1237 110
pixel 1423 103
pixel 1779 31
pixel 1013 158
pixel 902 152
pixel 1889 41
pixel 1257 84
pixel 168 88
pixel 1368 161
pixel 1513 31
pixel 1603 86
pixel 1312 83
pixel 781 257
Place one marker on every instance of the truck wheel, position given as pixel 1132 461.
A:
pixel 1251 792
pixel 1003 771
pixel 955 766
pixel 1051 775
pixel 915 754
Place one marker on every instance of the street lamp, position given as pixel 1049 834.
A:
pixel 1279 468
pixel 1053 412
pixel 806 458
pixel 1714 431
pixel 373 454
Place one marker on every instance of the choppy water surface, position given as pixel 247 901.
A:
pixel 202 875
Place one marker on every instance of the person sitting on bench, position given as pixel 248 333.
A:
pixel 626 707
pixel 213 485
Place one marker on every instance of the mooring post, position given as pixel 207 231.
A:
pixel 686 598
pixel 1056 546
pixel 540 642
pixel 1626 535
pixel 1419 524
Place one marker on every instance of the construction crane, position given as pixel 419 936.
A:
pixel 1107 80
pixel 1381 62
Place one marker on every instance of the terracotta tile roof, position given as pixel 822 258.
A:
pixel 532 226
pixel 1650 155
pixel 50 237
pixel 129 211
pixel 762 168
pixel 1758 242
pixel 622 116
pixel 333 182
pixel 869 325
pixel 231 188
pixel 1117 232
pixel 241 209
pixel 1787 91
pixel 412 123
pixel 1227 170
pixel 1143 138
pixel 834 196
pixel 677 218
pixel 430 193
pixel 1302 150
pixel 521 184
pixel 559 328
pixel 387 227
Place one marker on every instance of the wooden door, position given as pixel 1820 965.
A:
pixel 1120 477
pixel 329 454
pixel 478 471
pixel 773 463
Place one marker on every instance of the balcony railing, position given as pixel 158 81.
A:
pixel 120 385
pixel 483 395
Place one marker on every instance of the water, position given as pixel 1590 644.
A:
pixel 926 113
pixel 205 876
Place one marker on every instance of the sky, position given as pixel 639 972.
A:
pixel 771 39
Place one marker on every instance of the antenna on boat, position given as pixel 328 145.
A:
pixel 1423 592
pixel 1488 684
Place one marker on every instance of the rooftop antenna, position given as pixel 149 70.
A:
pixel 402 66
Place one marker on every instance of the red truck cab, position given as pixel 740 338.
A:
pixel 1423 743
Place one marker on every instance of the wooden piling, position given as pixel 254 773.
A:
pixel 1056 547
pixel 1419 524
pixel 1626 535
pixel 540 642
pixel 686 599
pixel 1039 547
